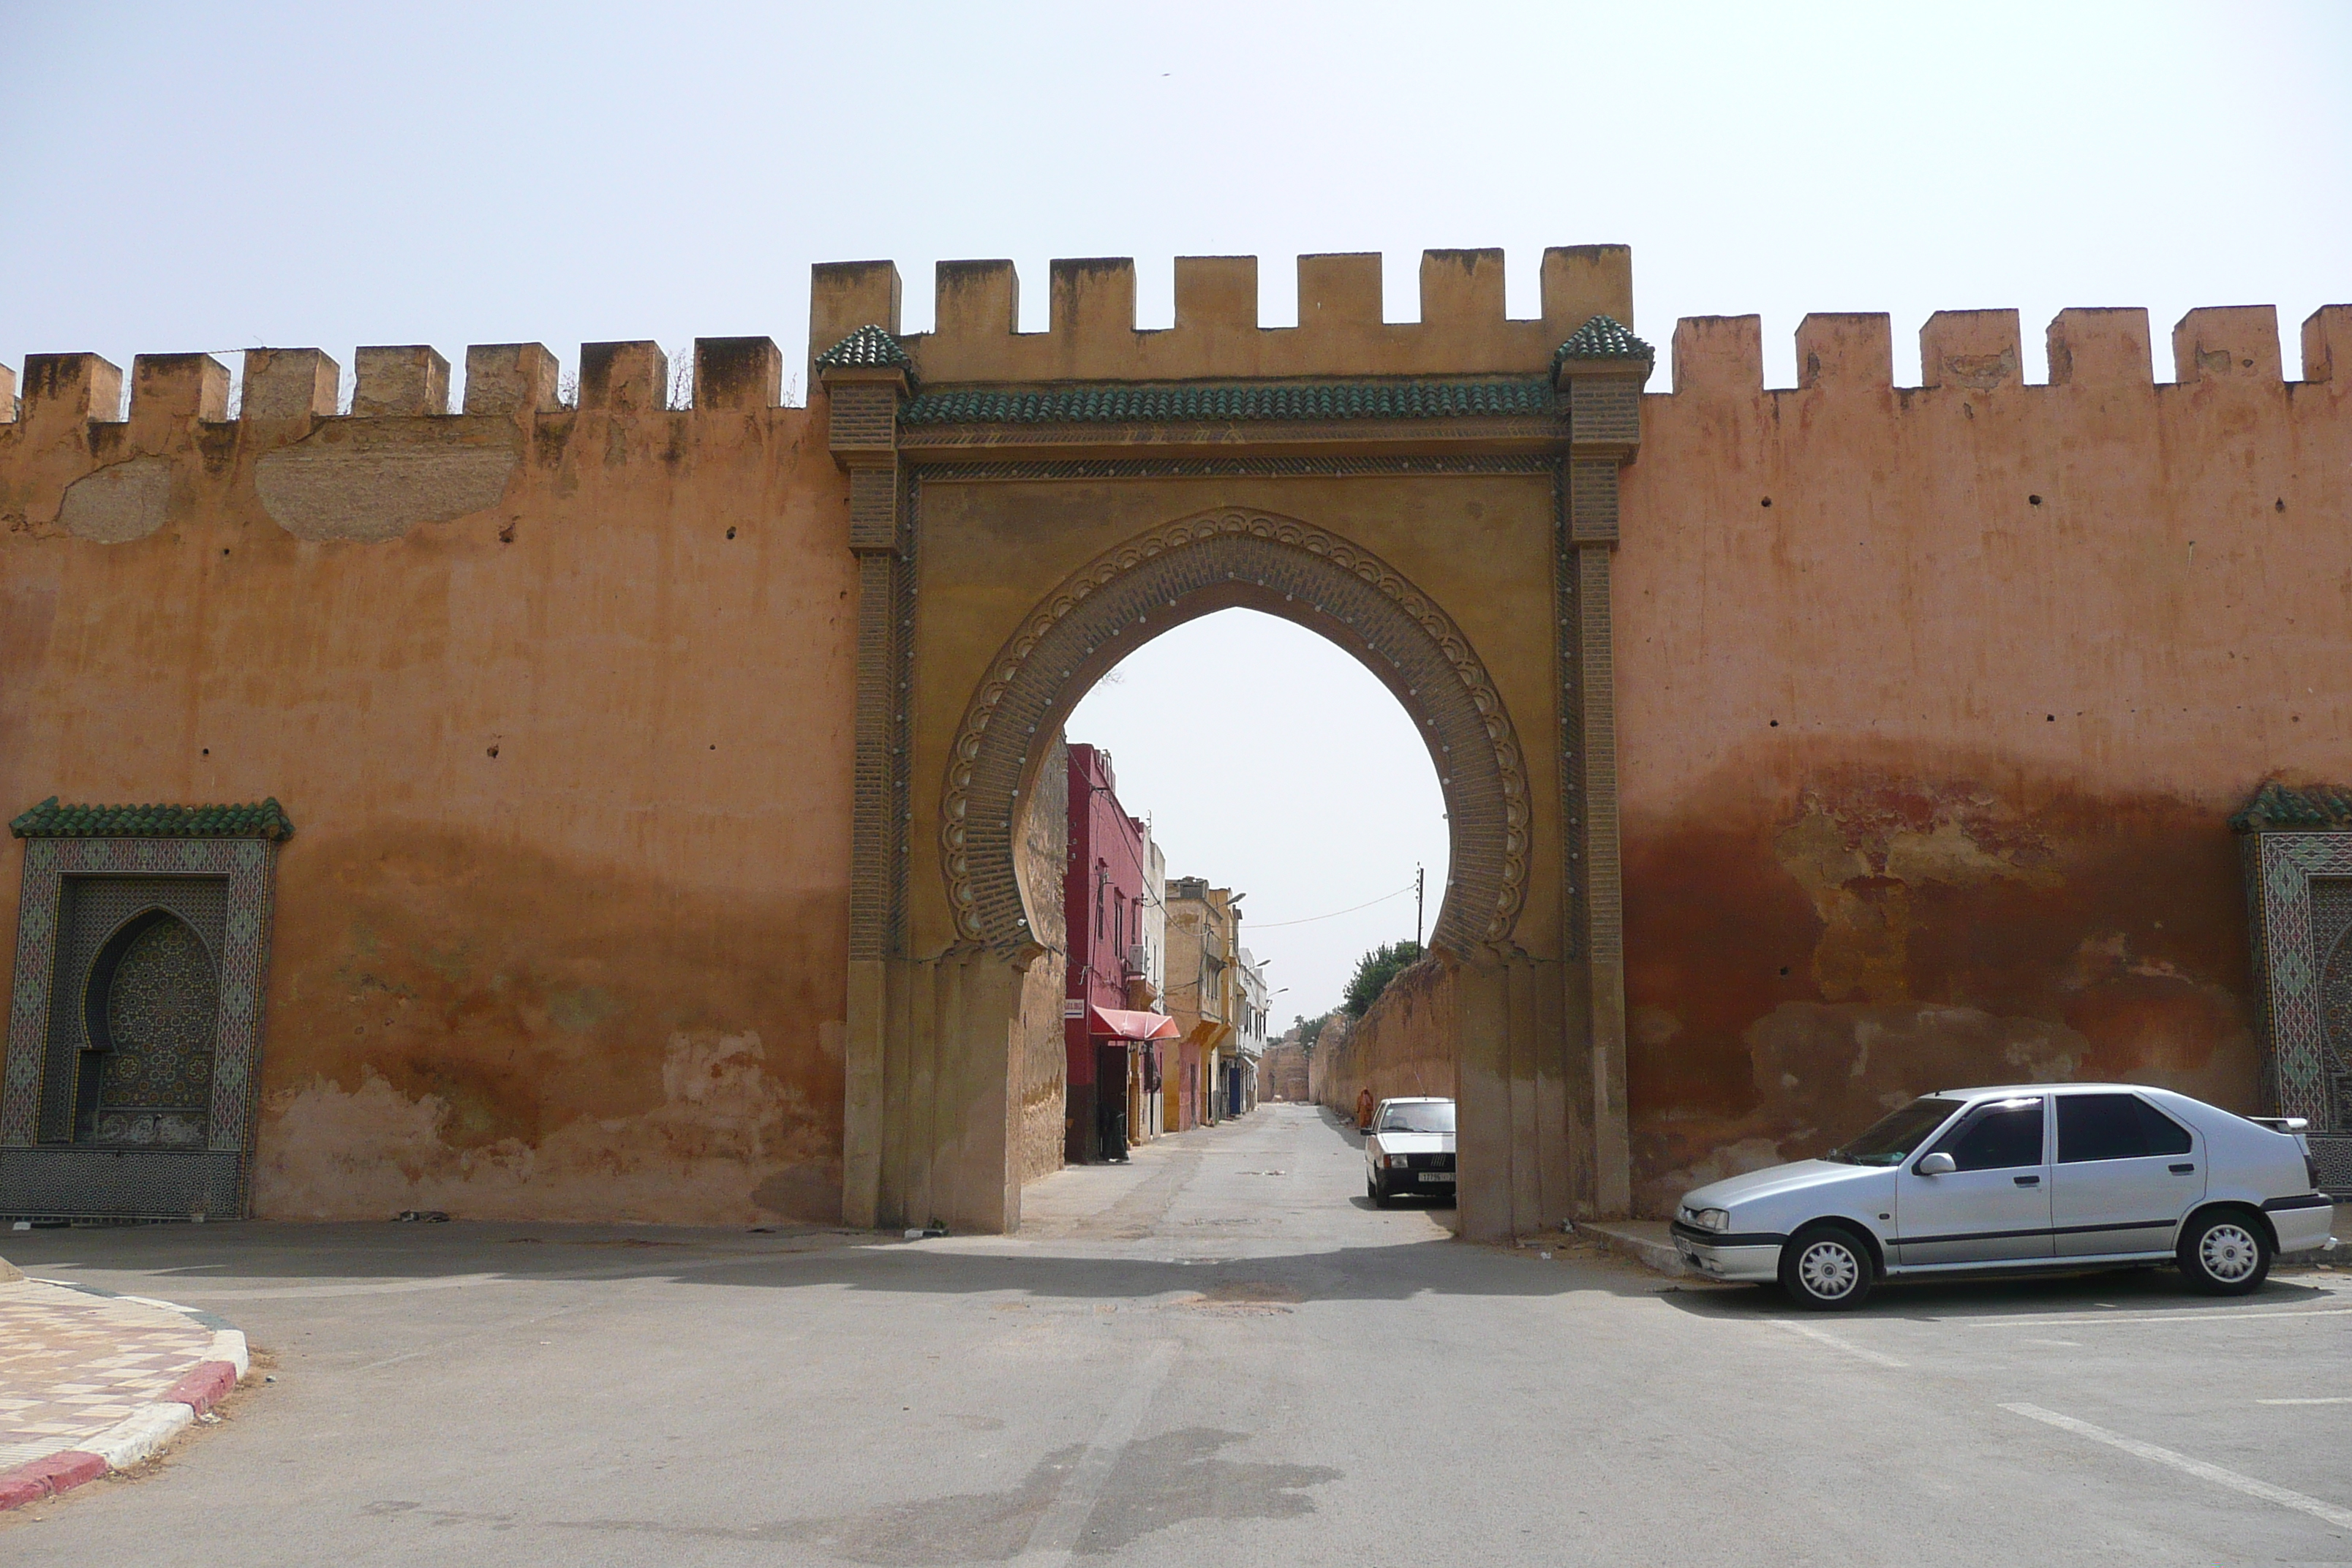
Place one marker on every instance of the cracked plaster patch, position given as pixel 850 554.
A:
pixel 120 504
pixel 369 494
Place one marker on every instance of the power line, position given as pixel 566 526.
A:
pixel 1335 914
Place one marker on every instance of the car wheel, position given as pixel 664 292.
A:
pixel 2226 1254
pixel 1381 1196
pixel 1826 1268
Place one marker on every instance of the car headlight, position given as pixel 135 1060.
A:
pixel 1397 1161
pixel 1711 1219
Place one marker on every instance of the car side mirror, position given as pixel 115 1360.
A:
pixel 1937 1164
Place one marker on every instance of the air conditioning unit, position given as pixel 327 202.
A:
pixel 1139 959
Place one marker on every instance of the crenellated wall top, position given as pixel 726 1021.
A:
pixel 1982 350
pixel 1092 336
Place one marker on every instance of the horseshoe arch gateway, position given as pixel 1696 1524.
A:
pixel 1439 498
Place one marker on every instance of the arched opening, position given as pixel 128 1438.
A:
pixel 985 1012
pixel 150 1011
pixel 1192 568
pixel 1254 809
pixel 1262 754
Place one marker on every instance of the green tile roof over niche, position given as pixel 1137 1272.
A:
pixel 1604 337
pixel 1189 403
pixel 866 347
pixel 265 819
pixel 2314 808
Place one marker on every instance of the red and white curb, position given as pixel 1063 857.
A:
pixel 138 1436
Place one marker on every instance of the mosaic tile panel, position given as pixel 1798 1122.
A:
pixel 2283 872
pixel 92 910
pixel 244 866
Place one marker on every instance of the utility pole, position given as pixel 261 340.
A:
pixel 1417 875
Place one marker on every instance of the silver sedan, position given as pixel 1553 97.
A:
pixel 2041 1175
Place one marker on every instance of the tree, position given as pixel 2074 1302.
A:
pixel 1310 1029
pixel 1373 972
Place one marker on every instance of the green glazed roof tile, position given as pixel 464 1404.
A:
pixel 1195 404
pixel 263 819
pixel 1604 337
pixel 867 348
pixel 2276 808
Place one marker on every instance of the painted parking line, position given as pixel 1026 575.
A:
pixel 2332 1513
pixel 1822 1336
pixel 2338 1400
pixel 2083 1320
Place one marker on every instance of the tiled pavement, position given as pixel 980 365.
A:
pixel 72 1365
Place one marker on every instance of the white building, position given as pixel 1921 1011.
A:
pixel 1250 1027
pixel 1149 961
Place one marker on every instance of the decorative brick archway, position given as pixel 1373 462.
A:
pixel 1219 559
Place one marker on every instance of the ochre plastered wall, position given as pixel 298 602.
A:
pixel 1925 764
pixel 1923 780
pixel 1042 1094
pixel 1404 1044
pixel 561 930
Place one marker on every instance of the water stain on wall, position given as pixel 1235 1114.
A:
pixel 490 1031
pixel 1797 966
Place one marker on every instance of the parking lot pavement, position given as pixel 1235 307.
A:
pixel 1219 1354
pixel 2092 1371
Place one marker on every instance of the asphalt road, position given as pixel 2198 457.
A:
pixel 1220 1353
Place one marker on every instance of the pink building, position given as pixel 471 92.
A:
pixel 1114 1061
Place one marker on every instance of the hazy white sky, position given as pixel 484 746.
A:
pixel 223 175
pixel 226 175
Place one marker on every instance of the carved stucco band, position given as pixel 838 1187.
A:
pixel 2280 867
pixel 1597 726
pixel 1240 467
pixel 1484 773
pixel 244 958
pixel 870 829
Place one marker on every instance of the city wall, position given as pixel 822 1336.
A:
pixel 559 700
pixel 1931 703
pixel 1402 1044
pixel 1934 702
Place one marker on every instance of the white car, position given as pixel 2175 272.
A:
pixel 1410 1150
pixel 2041 1175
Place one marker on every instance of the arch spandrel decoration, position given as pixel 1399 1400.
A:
pixel 1232 556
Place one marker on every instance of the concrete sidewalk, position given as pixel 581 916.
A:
pixel 1646 1241
pixel 91 1382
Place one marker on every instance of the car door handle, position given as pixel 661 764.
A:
pixel 2027 1180
pixel 2183 1169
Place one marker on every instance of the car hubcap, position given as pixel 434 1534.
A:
pixel 2229 1252
pixel 1829 1270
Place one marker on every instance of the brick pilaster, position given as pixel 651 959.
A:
pixel 1599 375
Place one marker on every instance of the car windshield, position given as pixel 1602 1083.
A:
pixel 1892 1137
pixel 1425 1116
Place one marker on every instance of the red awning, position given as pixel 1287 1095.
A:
pixel 1129 1026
